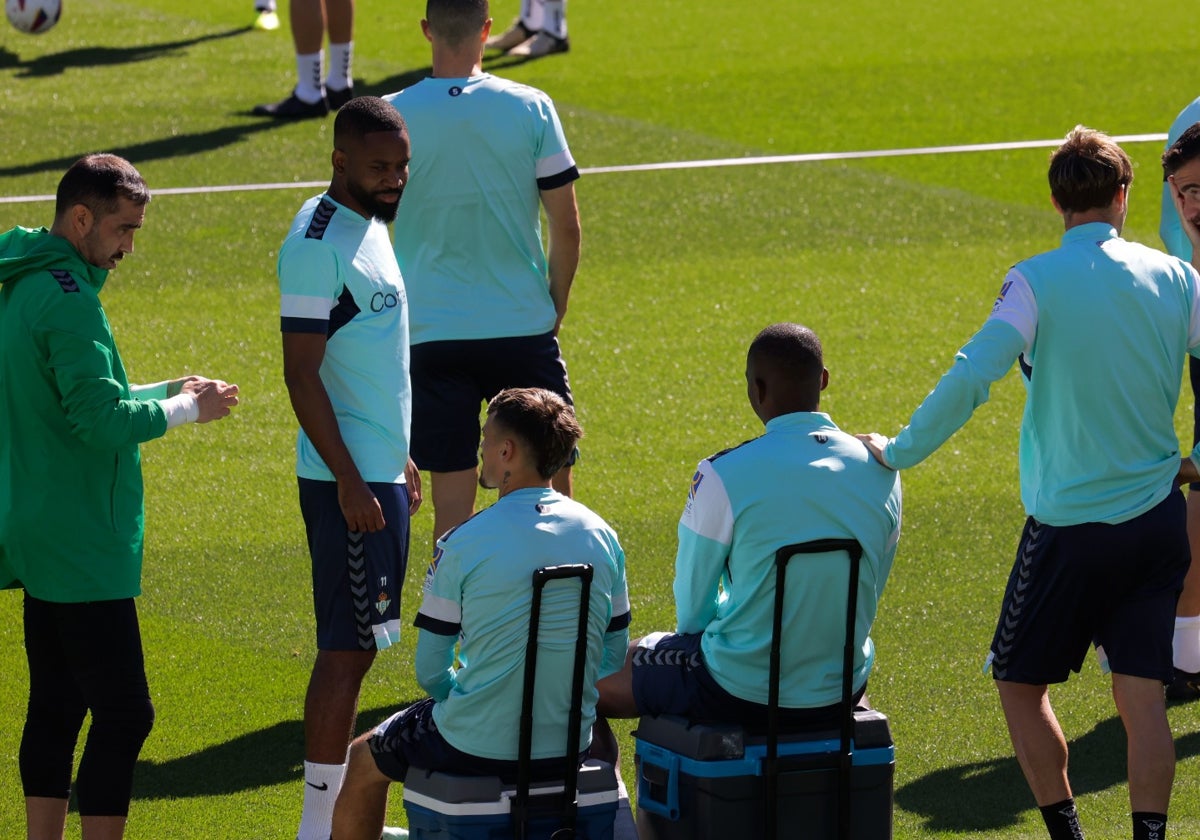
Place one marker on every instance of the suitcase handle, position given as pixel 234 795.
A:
pixel 845 756
pixel 520 803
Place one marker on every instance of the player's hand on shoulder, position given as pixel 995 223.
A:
pixel 875 444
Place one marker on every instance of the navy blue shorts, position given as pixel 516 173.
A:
pixel 356 576
pixel 1093 583
pixel 452 380
pixel 410 738
pixel 670 677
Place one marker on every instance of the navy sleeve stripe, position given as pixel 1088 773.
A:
pixel 563 178
pixel 434 625
pixel 619 622
pixel 303 325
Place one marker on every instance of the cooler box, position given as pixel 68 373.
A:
pixel 705 781
pixel 445 806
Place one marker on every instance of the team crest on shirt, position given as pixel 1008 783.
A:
pixel 1003 291
pixel 693 490
pixel 433 564
pixel 382 603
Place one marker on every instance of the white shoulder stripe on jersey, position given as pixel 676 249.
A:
pixel 1017 307
pixel 305 306
pixel 620 603
pixel 441 609
pixel 708 511
pixel 554 165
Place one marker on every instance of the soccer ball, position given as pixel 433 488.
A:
pixel 33 16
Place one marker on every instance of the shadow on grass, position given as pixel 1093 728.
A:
pixel 180 145
pixel 177 145
pixel 392 84
pixel 87 58
pixel 986 796
pixel 267 757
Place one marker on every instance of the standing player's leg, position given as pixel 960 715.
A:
pixel 339 77
pixel 1037 739
pixel 1151 747
pixel 526 24
pixel 1041 751
pixel 447 395
pixel 1186 684
pixel 56 711
pixel 307 99
pixel 356 596
pixel 551 34
pixel 453 499
pixel 534 362
pixel 330 709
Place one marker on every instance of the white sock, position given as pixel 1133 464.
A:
pixel 321 785
pixel 308 74
pixel 554 18
pixel 339 77
pixel 532 15
pixel 1187 643
pixel 264 5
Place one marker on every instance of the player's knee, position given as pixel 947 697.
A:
pixel 128 723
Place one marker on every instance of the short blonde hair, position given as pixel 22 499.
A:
pixel 1087 170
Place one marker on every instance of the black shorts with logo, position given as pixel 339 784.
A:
pixel 1093 583
pixel 357 576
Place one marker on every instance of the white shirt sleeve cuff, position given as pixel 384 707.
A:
pixel 180 409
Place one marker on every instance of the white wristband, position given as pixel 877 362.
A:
pixel 180 409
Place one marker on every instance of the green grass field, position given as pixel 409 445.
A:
pixel 894 261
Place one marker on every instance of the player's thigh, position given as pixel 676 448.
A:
pixel 447 398
pixel 356 576
pixel 1144 578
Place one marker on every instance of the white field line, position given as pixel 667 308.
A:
pixel 677 164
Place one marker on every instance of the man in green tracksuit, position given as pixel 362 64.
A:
pixel 71 514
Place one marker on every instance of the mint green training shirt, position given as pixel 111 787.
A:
pixel 478 595
pixel 71 516
pixel 804 479
pixel 1102 327
pixel 338 278
pixel 468 233
pixel 1169 227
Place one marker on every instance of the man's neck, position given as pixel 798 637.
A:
pixel 1087 217
pixel 512 482
pixel 456 64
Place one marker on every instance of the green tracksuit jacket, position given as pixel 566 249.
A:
pixel 71 516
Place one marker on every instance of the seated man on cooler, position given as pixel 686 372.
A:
pixel 478 595
pixel 804 479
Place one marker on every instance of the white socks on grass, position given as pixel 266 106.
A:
pixel 1187 643
pixel 310 71
pixel 321 785
pixel 340 76
pixel 545 16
